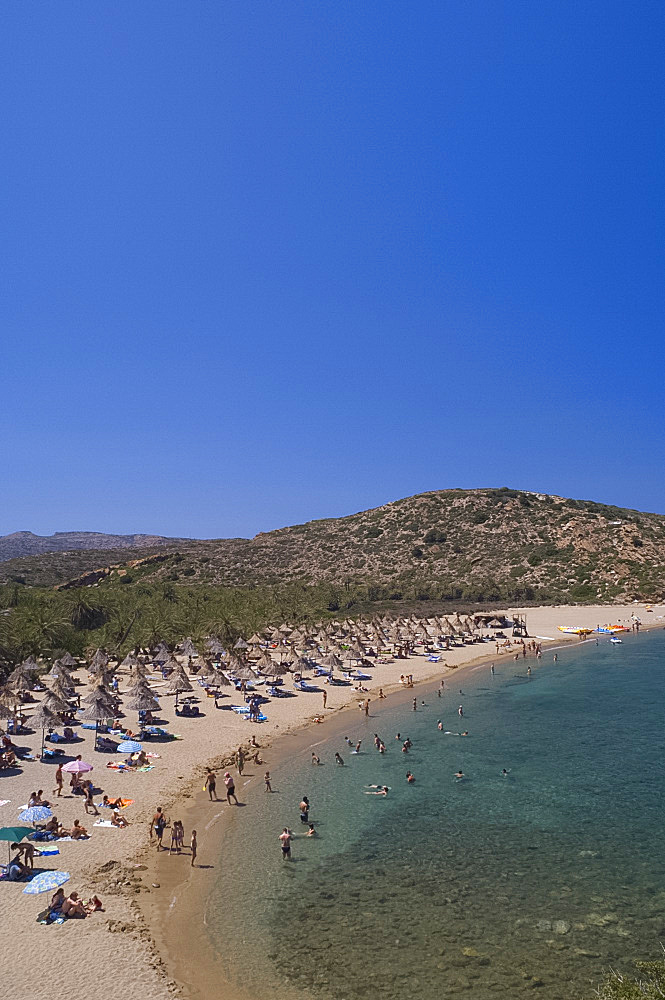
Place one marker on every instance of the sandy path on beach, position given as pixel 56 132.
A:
pixel 113 950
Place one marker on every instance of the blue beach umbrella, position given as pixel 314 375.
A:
pixel 46 882
pixel 35 814
pixel 130 746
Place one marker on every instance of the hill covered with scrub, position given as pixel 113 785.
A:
pixel 477 545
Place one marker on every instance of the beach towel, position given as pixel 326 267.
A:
pixel 123 804
pixel 48 852
pixel 78 840
pixel 107 823
pixel 146 767
pixel 4 802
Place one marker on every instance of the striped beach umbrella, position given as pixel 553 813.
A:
pixel 130 746
pixel 35 814
pixel 46 882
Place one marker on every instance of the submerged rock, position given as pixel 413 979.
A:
pixel 560 926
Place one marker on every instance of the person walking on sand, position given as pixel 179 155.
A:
pixel 158 825
pixel 193 846
pixel 366 707
pixel 230 788
pixel 211 784
pixel 59 780
pixel 266 778
pixel 240 760
pixel 325 698
pixel 89 800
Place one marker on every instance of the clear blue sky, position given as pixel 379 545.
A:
pixel 265 262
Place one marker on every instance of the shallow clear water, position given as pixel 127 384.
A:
pixel 493 886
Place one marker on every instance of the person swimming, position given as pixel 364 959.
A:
pixel 377 790
pixel 459 775
pixel 410 778
pixel 338 760
pixel 439 725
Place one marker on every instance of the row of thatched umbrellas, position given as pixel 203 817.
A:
pixel 341 641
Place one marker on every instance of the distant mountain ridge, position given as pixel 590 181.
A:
pixel 476 545
pixel 25 543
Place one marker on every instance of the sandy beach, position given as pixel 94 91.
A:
pixel 133 937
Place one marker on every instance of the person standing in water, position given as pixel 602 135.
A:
pixel 266 778
pixel 415 704
pixel 304 810
pixel 193 847
pixel 338 760
pixel 460 712
pixel 285 841
pixel 230 788
pixel 325 698
pixel 492 669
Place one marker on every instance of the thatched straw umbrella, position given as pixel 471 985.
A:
pixel 144 701
pixel 240 644
pixel 139 690
pixel 330 660
pixel 169 665
pixel 130 661
pixel 67 660
pixel 178 684
pixel 43 718
pixel 95 711
pixel 19 682
pixel 54 703
pixel 161 654
pixel 61 687
pixel 264 660
pixel 243 672
pixel 277 669
pixel 59 670
pixel 215 678
pixel 188 649
pixel 8 708
pixel 139 672
pixel 99 660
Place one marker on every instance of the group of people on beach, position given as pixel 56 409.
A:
pixel 158 827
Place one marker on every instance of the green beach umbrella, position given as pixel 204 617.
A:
pixel 13 834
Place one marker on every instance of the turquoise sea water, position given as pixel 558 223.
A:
pixel 490 887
